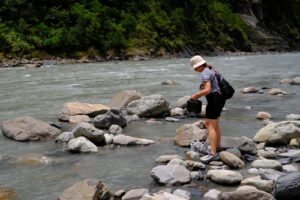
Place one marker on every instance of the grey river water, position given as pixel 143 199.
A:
pixel 42 92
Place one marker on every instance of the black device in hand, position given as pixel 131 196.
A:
pixel 194 106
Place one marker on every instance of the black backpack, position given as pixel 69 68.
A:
pixel 226 89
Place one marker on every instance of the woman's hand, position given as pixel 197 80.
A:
pixel 203 92
pixel 195 96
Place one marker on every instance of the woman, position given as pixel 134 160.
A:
pixel 215 103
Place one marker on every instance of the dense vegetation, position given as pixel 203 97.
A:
pixel 76 28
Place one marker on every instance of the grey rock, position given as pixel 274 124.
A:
pixel 81 144
pixel 135 194
pixel 167 158
pixel 267 154
pixel 267 164
pixel 247 193
pixel 293 117
pixel 169 82
pixel 296 81
pixel 161 196
pixel 79 118
pixel 176 161
pixel 197 175
pixel 263 115
pixel 265 185
pixel 244 144
pixel 182 193
pixel 193 165
pixel 231 160
pixel 276 91
pixel 109 138
pixel 285 161
pixel 181 103
pixel 132 118
pixel 288 186
pixel 289 168
pixel 226 177
pixel 269 174
pixel 78 108
pixel 115 129
pixel 249 90
pixel 28 129
pixel 104 121
pixel 235 152
pixel 292 153
pixel 64 137
pixel 128 140
pixel 213 194
pixel 172 119
pixel 123 98
pixel 187 133
pixel 90 132
pixel 177 112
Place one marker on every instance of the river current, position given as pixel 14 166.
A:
pixel 42 92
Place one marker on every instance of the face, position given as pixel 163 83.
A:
pixel 200 68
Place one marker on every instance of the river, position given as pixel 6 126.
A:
pixel 42 92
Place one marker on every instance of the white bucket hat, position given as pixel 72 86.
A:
pixel 197 61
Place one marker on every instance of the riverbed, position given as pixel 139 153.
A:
pixel 41 93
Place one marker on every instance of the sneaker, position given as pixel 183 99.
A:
pixel 208 158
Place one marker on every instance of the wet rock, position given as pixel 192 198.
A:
pixel 64 137
pixel 90 132
pixel 28 129
pixel 224 177
pixel 7 194
pixel 249 158
pixel 286 81
pixel 216 163
pixel 167 158
pixel 278 133
pixel 235 152
pixel 253 171
pixel 263 115
pixel 171 174
pixel 213 194
pixel 149 106
pixel 231 160
pixel 177 112
pixel 292 153
pixel 269 174
pixel 267 154
pixel 32 65
pixel 77 108
pixel 247 193
pixel 187 133
pixel 193 155
pixel 293 117
pixel 120 193
pixel 182 193
pixel 267 164
pixel 123 98
pixel 296 159
pixel 276 91
pixel 289 168
pixel 88 189
pixel 265 185
pixel 176 161
pixel 34 159
pixel 288 187
pixel 200 123
pixel 135 194
pixel 128 140
pixel 161 196
pixel 79 118
pixel 193 165
pixel 285 161
pixel 115 129
pixel 181 103
pixel 132 118
pixel 81 144
pixel 296 81
pixel 105 120
pixel 295 142
pixel 109 138
pixel 249 90
pixel 244 144
pixel 64 118
pixel 172 119
pixel 197 175
pixel 169 82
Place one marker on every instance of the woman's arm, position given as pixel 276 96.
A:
pixel 204 92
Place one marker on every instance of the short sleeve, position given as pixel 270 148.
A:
pixel 206 76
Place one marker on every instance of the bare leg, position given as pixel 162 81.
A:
pixel 219 133
pixel 212 134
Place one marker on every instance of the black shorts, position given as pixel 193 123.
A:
pixel 215 104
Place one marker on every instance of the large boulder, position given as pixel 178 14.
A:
pixel 128 140
pixel 269 174
pixel 88 189
pixel 187 133
pixel 90 132
pixel 81 144
pixel 267 164
pixel 181 102
pixel 247 193
pixel 296 81
pixel 278 133
pixel 149 106
pixel 105 120
pixel 28 129
pixel 224 177
pixel 78 108
pixel 288 186
pixel 171 174
pixel 64 137
pixel 123 98
pixel 265 185
pixel 244 144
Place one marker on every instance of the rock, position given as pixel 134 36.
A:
pixel 249 90
pixel 182 193
pixel 161 196
pixel 87 189
pixel 187 133
pixel 167 158
pixel 132 118
pixel 77 108
pixel 201 124
pixel 115 129
pixel 288 186
pixel 289 168
pixel 177 112
pixel 7 194
pixel 296 81
pixel 79 118
pixel 90 132
pixel 247 193
pixel 128 140
pixel 265 185
pixel 197 175
pixel 28 129
pixel 278 133
pixel 224 177
pixel 168 82
pixel 109 138
pixel 253 171
pixel 263 115
pixel 32 65
pixel 34 159
pixel 193 155
pixel 105 120
pixel 120 193
pixel 295 142
pixel 244 144
pixel 64 118
pixel 149 106
pixel 286 81
pixel 292 153
pixel 267 164
pixel 64 137
pixel 213 194
pixel 171 174
pixel 231 160
pixel 176 161
pixel 276 91
pixel 81 144
pixel 216 163
pixel 123 98
pixel 172 119
pixel 293 117
pixel 181 103
pixel 235 152
pixel 267 154
pixel 285 161
pixel 193 165
pixel 269 174
pixel 135 194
